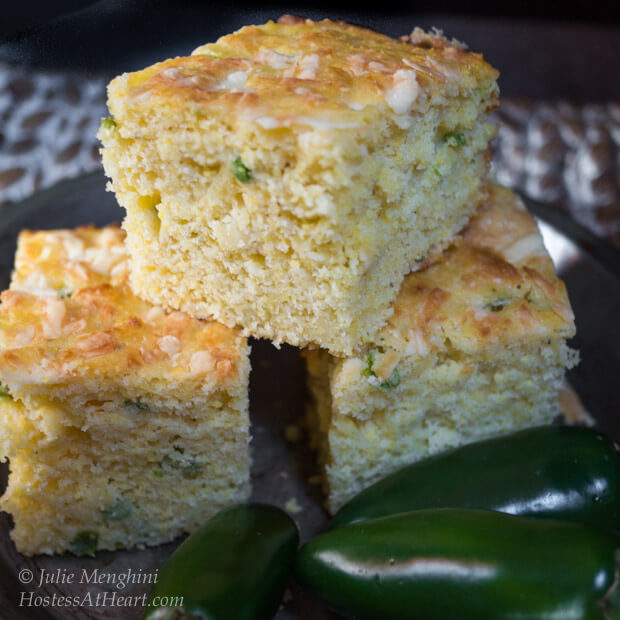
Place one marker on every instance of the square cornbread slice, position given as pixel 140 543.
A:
pixel 476 347
pixel 275 177
pixel 124 425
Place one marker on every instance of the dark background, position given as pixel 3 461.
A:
pixel 20 15
pixel 544 50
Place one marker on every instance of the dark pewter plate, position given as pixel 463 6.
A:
pixel 281 469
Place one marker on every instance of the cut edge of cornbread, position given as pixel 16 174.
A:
pixel 67 485
pixel 124 426
pixel 282 227
pixel 496 398
pixel 476 347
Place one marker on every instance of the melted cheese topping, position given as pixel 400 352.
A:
pixel 404 92
pixel 495 284
pixel 65 316
pixel 57 262
pixel 294 71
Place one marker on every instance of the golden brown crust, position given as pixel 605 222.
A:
pixel 300 71
pixel 107 329
pixel 99 327
pixel 59 261
pixel 496 284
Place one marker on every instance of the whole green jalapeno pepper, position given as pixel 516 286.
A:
pixel 235 566
pixel 444 564
pixel 558 472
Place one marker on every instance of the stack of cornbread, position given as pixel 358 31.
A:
pixel 314 183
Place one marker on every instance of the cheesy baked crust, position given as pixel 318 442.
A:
pixel 494 285
pixel 273 178
pixel 124 425
pixel 476 346
pixel 56 262
pixel 305 73
pixel 105 332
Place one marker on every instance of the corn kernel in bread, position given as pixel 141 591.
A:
pixel 476 346
pixel 274 177
pixel 125 425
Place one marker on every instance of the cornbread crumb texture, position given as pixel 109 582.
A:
pixel 273 178
pixel 476 346
pixel 124 425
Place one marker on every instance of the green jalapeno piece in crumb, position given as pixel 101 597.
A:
pixel 392 381
pixel 107 123
pixel 558 472
pixel 85 543
pixel 136 404
pixel 455 138
pixel 459 563
pixel 241 171
pixel 235 566
pixel 120 509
